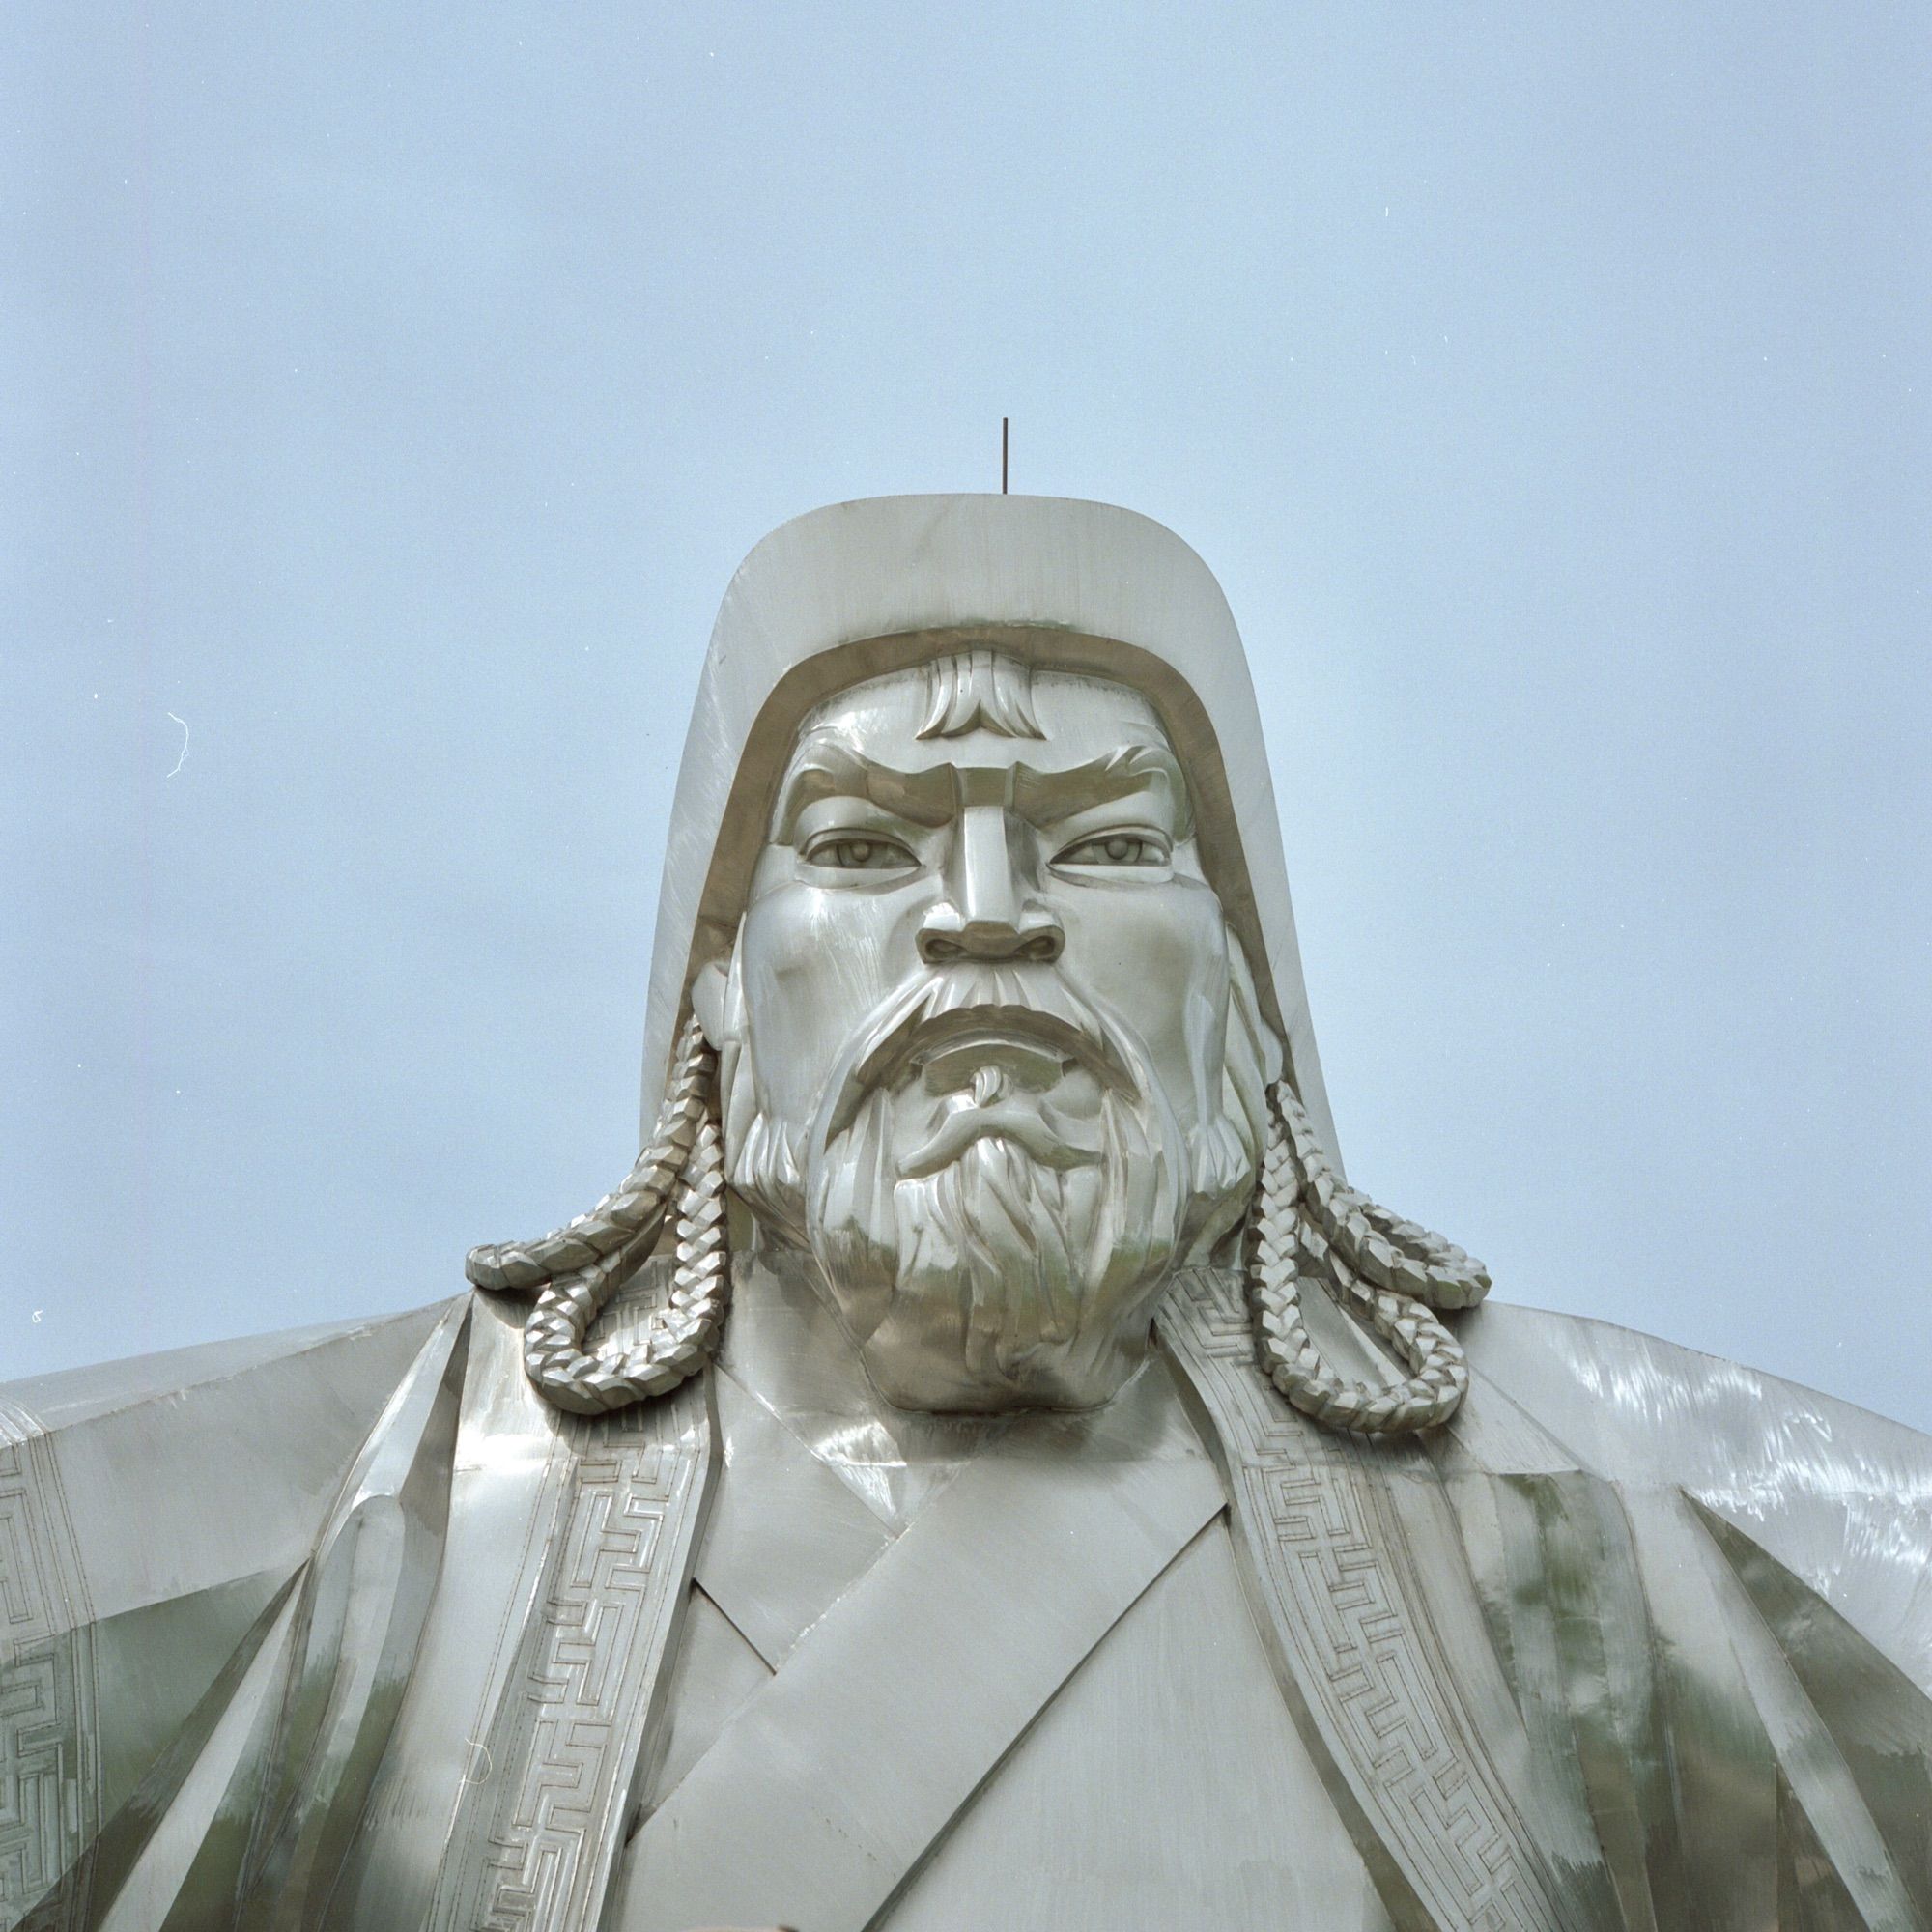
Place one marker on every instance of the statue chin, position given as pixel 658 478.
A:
pixel 1011 1276
pixel 918 1363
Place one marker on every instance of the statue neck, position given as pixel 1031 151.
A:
pixel 783 1345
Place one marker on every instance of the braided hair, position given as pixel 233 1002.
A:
pixel 1307 1232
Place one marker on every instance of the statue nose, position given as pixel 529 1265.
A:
pixel 1036 936
pixel 983 914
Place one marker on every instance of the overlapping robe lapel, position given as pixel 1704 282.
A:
pixel 1542 1697
pixel 500 1805
pixel 1353 1559
pixel 820 1798
pixel 520 1573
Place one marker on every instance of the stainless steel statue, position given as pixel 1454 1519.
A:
pixel 985 1465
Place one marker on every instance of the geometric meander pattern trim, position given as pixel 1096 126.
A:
pixel 575 1730
pixel 49 1775
pixel 1359 1639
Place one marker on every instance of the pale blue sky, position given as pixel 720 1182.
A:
pixel 390 391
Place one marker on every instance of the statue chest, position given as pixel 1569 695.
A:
pixel 906 1690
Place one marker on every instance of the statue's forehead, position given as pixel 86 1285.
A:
pixel 1078 718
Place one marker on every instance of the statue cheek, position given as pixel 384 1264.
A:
pixel 817 965
pixel 1158 958
pixel 845 949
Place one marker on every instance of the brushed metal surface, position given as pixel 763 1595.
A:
pixel 714 1674
pixel 1157 1789
pixel 833 1782
pixel 786 1535
pixel 857 589
pixel 353 1631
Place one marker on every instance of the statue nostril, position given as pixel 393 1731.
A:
pixel 938 949
pixel 1041 946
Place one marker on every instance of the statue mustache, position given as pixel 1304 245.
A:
pixel 1029 1007
pixel 1035 1128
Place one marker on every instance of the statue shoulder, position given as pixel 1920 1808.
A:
pixel 1840 1496
pixel 165 1475
pixel 184 1382
pixel 1653 1408
pixel 150 1510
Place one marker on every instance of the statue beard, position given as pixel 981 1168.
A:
pixel 1001 1242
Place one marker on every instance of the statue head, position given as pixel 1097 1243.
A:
pixel 988 1048
pixel 976 978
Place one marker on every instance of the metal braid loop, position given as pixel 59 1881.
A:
pixel 1389 1252
pixel 631 1214
pixel 1311 1230
pixel 686 1151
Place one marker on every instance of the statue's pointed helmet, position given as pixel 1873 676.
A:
pixel 857 589
pixel 851 593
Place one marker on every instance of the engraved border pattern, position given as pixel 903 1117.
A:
pixel 1367 1670
pixel 49 1787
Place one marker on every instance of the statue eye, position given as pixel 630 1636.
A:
pixel 872 853
pixel 1117 848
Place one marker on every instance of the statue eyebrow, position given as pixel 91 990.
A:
pixel 1045 796
pixel 826 765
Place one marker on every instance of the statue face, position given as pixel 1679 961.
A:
pixel 975 1030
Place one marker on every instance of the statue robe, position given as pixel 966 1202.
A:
pixel 346 1628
